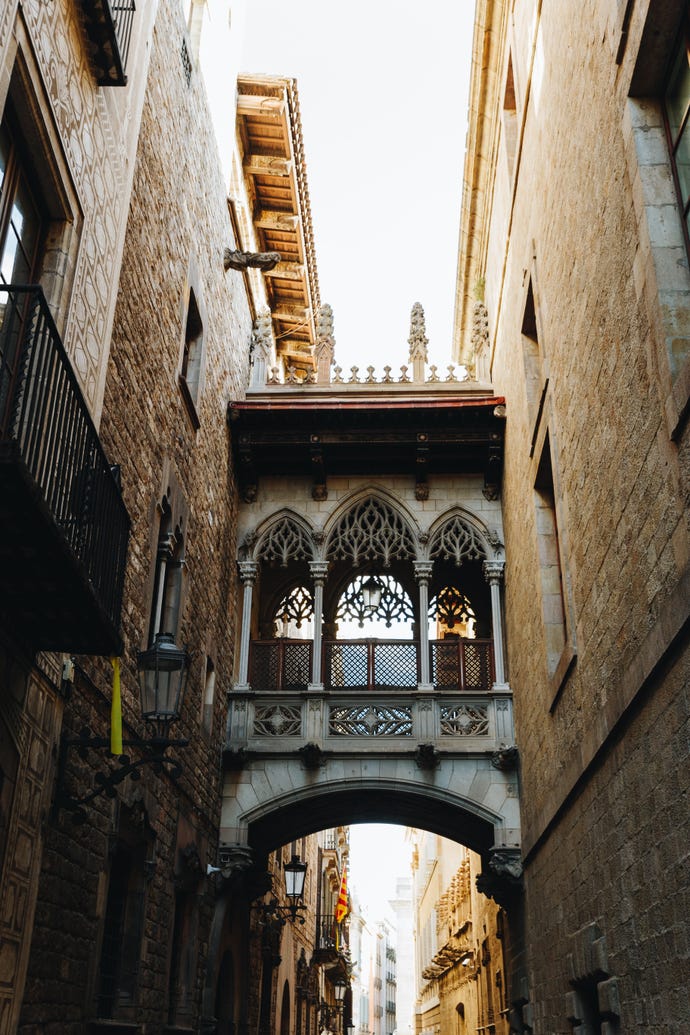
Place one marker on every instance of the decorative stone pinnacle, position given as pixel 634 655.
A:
pixel 324 348
pixel 261 346
pixel 418 342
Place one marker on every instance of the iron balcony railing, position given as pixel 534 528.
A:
pixel 368 665
pixel 330 936
pixel 109 28
pixel 45 424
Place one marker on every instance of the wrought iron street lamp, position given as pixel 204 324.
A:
pixel 339 990
pixel 162 671
pixel 295 875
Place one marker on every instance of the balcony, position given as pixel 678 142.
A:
pixel 65 526
pixel 331 939
pixel 109 30
pixel 369 665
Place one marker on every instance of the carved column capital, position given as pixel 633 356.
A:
pixel 318 571
pixel 423 570
pixel 493 571
pixel 249 571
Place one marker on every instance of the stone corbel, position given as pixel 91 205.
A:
pixel 503 879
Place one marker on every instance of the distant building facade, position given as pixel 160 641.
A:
pixel 460 963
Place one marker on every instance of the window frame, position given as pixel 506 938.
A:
pixel 682 42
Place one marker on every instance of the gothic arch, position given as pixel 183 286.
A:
pixel 458 536
pixel 283 538
pixel 368 510
pixel 386 798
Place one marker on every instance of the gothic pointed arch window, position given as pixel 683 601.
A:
pixel 458 541
pixel 371 532
pixel 285 541
pixel 294 614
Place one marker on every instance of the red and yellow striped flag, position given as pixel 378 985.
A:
pixel 342 908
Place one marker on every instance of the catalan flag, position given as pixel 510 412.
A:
pixel 116 711
pixel 342 908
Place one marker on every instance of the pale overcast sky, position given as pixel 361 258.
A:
pixel 383 88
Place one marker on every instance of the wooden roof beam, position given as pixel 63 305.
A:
pixel 274 220
pixel 267 165
pixel 287 271
pixel 252 105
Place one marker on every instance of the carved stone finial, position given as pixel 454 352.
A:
pixel 418 342
pixel 261 346
pixel 324 349
pixel 479 340
pixel 238 260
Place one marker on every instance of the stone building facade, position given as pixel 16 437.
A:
pixel 574 293
pixel 105 923
pixel 460 958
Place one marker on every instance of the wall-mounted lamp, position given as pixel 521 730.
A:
pixel 163 671
pixel 295 874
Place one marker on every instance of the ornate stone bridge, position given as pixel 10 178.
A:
pixel 370 509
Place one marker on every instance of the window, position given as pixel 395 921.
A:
pixel 549 561
pixel 22 224
pixel 510 120
pixel 168 579
pixel 677 117
pixel 532 362
pixel 209 696
pixel 123 923
pixel 192 353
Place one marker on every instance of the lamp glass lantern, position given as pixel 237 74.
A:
pixel 163 670
pixel 372 592
pixel 339 990
pixel 295 874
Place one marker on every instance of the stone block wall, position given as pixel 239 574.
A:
pixel 178 225
pixel 600 729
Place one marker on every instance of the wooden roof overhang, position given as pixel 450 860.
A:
pixel 319 438
pixel 270 137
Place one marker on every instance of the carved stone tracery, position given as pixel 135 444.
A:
pixel 285 541
pixel 456 540
pixel 371 531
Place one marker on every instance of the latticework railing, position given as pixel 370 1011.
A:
pixel 280 664
pixel 369 665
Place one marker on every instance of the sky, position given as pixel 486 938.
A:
pixel 379 855
pixel 383 88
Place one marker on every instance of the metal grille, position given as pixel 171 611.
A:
pixel 280 664
pixel 123 19
pixel 370 721
pixel 395 664
pixel 43 413
pixel 478 668
pixel 264 666
pixel 462 664
pixel 465 720
pixel 445 656
pixel 277 720
pixel 347 665
pixel 296 664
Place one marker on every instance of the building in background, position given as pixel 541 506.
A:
pixel 460 965
pixel 574 296
pixel 401 904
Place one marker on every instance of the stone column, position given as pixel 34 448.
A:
pixel 248 573
pixel 493 573
pixel 422 573
pixel 318 571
